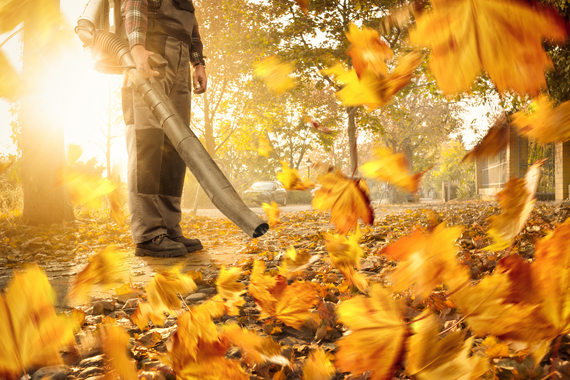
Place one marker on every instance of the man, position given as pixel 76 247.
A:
pixel 155 169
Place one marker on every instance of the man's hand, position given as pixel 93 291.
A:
pixel 199 79
pixel 140 55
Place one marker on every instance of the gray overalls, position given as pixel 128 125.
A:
pixel 155 170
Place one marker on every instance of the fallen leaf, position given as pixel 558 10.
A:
pixel 291 180
pixel 367 50
pixel 377 334
pixel 162 290
pixel 294 261
pixel 275 74
pixel 545 123
pixel 146 312
pixel 272 211
pixel 317 366
pixel 445 359
pixel 517 201
pixel 392 167
pixel 494 141
pixel 227 285
pixel 257 349
pixel 348 200
pixel 504 38
pixel 345 254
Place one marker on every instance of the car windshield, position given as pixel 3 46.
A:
pixel 262 186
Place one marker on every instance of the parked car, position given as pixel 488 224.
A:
pixel 267 191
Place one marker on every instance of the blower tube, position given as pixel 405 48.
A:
pixel 211 179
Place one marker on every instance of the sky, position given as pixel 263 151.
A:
pixel 80 96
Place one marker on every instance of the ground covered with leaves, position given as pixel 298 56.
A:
pixel 287 307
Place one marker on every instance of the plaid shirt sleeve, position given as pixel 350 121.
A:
pixel 197 48
pixel 136 21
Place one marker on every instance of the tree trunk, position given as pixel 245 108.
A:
pixel 43 148
pixel 351 111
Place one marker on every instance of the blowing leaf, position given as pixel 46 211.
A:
pixel 116 347
pixel 517 201
pixel 393 168
pixel 545 123
pixel 427 261
pixel 367 50
pixel 345 256
pixel 228 288
pixel 264 147
pixel 272 211
pixel 504 38
pixel 317 366
pixel 275 74
pixel 445 359
pixel 257 349
pixel 377 334
pixel 291 180
pixel 494 141
pixel 163 288
pixel 32 333
pixel 296 261
pixel 348 200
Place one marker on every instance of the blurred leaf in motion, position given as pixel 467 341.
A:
pixel 291 180
pixel 502 37
pixel 272 211
pixel 275 74
pixel 345 256
pixel 317 366
pixel 494 141
pixel 162 290
pixel 116 346
pixel 264 147
pixel 294 261
pixel 368 51
pixel 545 123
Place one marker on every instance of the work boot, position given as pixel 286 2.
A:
pixel 191 245
pixel 160 246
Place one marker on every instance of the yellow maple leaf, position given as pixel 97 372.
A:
pixel 392 167
pixel 32 334
pixel 275 74
pixel 348 199
pixel 345 254
pixel 545 123
pixel 264 147
pixel 502 37
pixel 102 269
pixel 427 261
pixel 517 201
pixel 256 349
pixel 445 359
pixel 144 313
pixel 162 290
pixel 317 366
pixel 367 50
pixel 116 346
pixel 377 334
pixel 494 348
pixel 289 303
pixel 272 211
pixel 296 261
pixel 227 285
pixel 291 180
pixel 494 141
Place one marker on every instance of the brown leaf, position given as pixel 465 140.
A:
pixel 494 141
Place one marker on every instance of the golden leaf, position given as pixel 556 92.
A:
pixel 116 346
pixel 275 74
pixel 367 50
pixel 393 168
pixel 227 285
pixel 427 261
pixel 264 147
pixel 345 255
pixel 494 141
pixel 296 261
pixel 143 313
pixel 257 349
pixel 291 180
pixel 289 303
pixel 32 334
pixel 348 200
pixel 545 123
pixel 377 334
pixel 116 201
pixel 517 201
pixel 502 37
pixel 445 359
pixel 162 290
pixel 494 348
pixel 272 211
pixel 101 269
pixel 317 366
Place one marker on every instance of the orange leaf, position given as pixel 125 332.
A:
pixel 272 211
pixel 275 74
pixel 264 147
pixel 257 349
pixel 345 256
pixel 116 346
pixel 296 261
pixel 291 180
pixel 427 261
pixel 317 366
pixel 502 37
pixel 368 51
pixel 494 141
pixel 393 168
pixel 517 201
pixel 32 334
pixel 348 200
pixel 162 290
pixel 545 123
pixel 304 4
pixel 230 289
pixel 377 334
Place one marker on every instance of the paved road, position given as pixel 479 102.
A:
pixel 214 212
